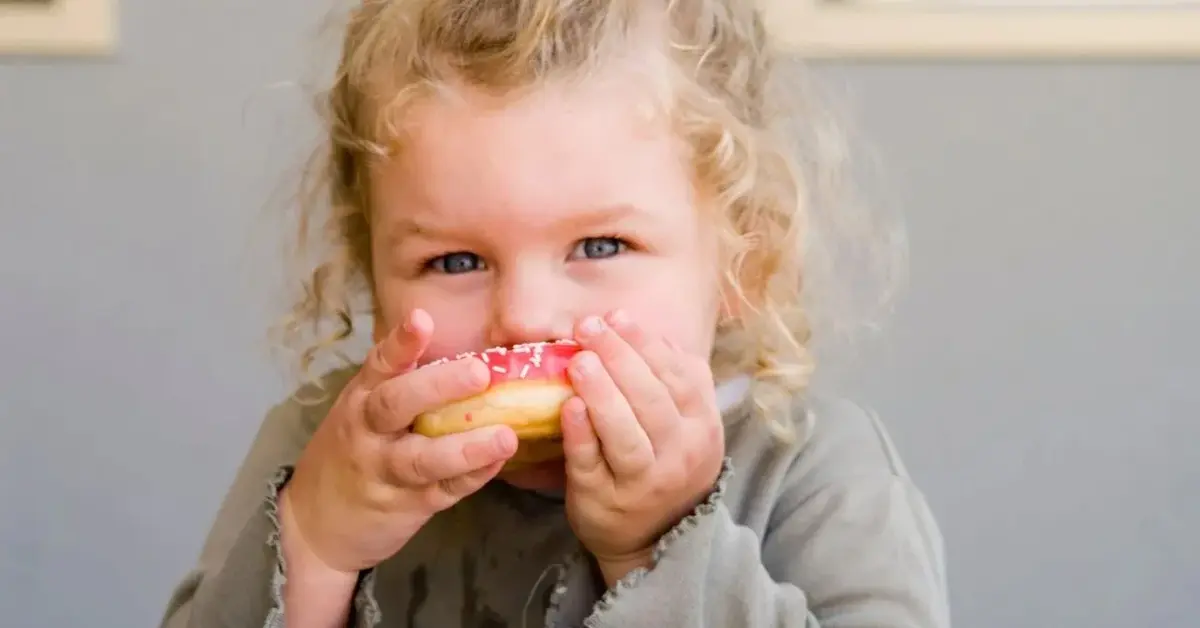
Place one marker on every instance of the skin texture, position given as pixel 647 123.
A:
pixel 566 213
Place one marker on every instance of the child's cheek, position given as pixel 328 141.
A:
pixel 457 328
pixel 679 326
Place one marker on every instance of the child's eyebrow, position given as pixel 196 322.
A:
pixel 601 216
pixel 410 226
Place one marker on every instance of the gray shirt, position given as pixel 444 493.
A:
pixel 828 532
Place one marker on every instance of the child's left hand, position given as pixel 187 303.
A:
pixel 643 439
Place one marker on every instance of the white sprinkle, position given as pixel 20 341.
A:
pixel 524 371
pixel 499 369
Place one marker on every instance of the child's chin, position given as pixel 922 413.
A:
pixel 544 476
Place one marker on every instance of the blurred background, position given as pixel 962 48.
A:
pixel 1037 375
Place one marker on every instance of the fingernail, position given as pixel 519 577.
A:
pixel 584 364
pixel 479 374
pixel 618 318
pixel 576 412
pixel 505 440
pixel 591 326
pixel 414 317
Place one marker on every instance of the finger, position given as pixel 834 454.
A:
pixel 581 447
pixel 393 405
pixel 416 460
pixel 648 395
pixel 455 489
pixel 623 442
pixel 687 384
pixel 398 351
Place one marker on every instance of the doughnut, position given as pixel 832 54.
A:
pixel 528 388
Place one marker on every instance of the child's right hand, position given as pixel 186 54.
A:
pixel 365 484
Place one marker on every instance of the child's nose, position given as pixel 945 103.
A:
pixel 531 309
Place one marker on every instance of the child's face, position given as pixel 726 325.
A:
pixel 510 223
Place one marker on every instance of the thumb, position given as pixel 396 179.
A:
pixel 581 447
pixel 398 351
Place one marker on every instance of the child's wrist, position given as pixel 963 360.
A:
pixel 613 570
pixel 308 576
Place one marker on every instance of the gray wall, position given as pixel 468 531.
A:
pixel 1036 376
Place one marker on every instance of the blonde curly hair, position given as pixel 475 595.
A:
pixel 717 82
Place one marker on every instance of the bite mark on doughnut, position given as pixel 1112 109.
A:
pixel 528 387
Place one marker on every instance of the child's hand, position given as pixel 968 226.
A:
pixel 365 484
pixel 643 440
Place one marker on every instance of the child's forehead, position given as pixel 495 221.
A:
pixel 606 99
pixel 545 157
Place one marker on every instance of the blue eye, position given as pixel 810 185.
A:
pixel 455 263
pixel 600 248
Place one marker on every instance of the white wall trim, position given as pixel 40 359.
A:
pixel 61 27
pixel 813 28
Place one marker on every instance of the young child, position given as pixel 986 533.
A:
pixel 503 172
